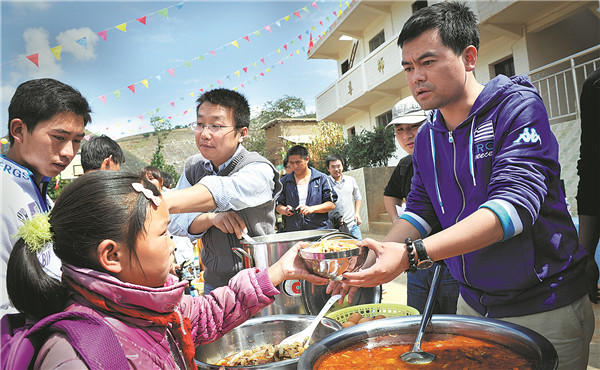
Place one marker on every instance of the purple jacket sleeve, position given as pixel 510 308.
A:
pixel 212 316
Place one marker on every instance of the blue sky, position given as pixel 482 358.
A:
pixel 181 42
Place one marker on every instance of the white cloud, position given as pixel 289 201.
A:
pixel 32 6
pixel 7 92
pixel 37 41
pixel 68 40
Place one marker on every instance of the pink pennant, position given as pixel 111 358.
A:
pixel 142 20
pixel 34 59
pixel 314 4
pixel 262 60
pixel 141 117
pixel 102 34
pixel 173 104
pixel 285 46
pixel 281 62
pixel 247 38
pixel 268 28
pixel 300 37
pixel 334 13
pixel 201 90
pixel 262 74
pixel 242 85
pixel 245 69
pixel 213 53
pixel 102 99
pixel 219 82
pixel 184 112
pixel 321 23
pixel 297 14
pixel 171 71
pixel 170 117
pixel 132 88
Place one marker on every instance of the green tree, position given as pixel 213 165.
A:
pixel 325 139
pixel 162 129
pixel 370 148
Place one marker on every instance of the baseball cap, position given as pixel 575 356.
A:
pixel 407 111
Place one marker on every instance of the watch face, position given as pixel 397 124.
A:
pixel 425 264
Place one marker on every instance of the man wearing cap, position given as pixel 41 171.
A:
pixel 407 117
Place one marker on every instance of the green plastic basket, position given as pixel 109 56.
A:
pixel 372 310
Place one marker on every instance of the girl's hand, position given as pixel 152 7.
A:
pixel 291 267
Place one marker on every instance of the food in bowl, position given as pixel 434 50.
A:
pixel 451 351
pixel 336 245
pixel 357 318
pixel 263 355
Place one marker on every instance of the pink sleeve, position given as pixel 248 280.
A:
pixel 211 316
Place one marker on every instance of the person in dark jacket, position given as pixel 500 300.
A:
pixel 307 194
pixel 486 169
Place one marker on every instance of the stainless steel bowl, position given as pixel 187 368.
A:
pixel 526 342
pixel 333 264
pixel 257 332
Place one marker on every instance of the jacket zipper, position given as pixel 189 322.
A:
pixel 451 141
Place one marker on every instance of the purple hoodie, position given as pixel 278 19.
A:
pixel 503 157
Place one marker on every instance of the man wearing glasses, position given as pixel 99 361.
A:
pixel 228 190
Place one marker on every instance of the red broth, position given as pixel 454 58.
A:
pixel 452 352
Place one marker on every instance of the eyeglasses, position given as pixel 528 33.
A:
pixel 199 127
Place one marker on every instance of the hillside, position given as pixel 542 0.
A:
pixel 179 145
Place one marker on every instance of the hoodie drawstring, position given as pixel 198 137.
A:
pixel 437 186
pixel 471 160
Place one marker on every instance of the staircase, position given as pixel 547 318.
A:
pixel 381 225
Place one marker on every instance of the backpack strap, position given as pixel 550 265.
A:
pixel 91 337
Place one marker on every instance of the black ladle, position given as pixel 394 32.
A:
pixel 416 355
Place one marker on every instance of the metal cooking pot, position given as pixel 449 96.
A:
pixel 520 339
pixel 257 332
pixel 268 249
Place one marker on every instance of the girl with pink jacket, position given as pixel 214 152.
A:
pixel 110 231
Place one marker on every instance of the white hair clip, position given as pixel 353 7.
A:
pixel 147 193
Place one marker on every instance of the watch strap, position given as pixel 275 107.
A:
pixel 420 249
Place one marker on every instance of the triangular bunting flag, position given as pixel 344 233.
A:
pixel 247 38
pixel 180 5
pixel 334 13
pixel 87 137
pixel 235 43
pixel 187 64
pixel 237 73
pixel 300 37
pixel 292 42
pixel 34 59
pixel 191 94
pixel 305 9
pixel 122 27
pixel 314 4
pixel 268 69
pixel 245 69
pixel 164 12
pixel 56 51
pixel 285 46
pixel 268 28
pixel 171 71
pixel 201 57
pixel 117 93
pixel 279 51
pixel 287 18
pixel 102 99
pixel 158 77
pixel 102 34
pixel 254 65
pixel 298 51
pixel 173 104
pixel 213 53
pixel 132 88
pixel 278 23
pixel 255 79
pixel 235 88
pixel 145 82
pixel 83 42
pixel 219 82
pixel 141 117
pixel 257 33
pixel 201 90
pixel 242 85
pixel 310 43
pixel 262 60
pixel 297 14
pixel 321 23
pixel 142 20
pixel 281 62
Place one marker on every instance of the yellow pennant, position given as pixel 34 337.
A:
pixel 237 73
pixel 287 18
pixel 191 94
pixel 56 51
pixel 268 69
pixel 279 51
pixel 235 43
pixel 117 93
pixel 145 82
pixel 122 27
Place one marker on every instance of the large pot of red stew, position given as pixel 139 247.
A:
pixel 459 342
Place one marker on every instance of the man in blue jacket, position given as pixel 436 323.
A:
pixel 307 194
pixel 486 168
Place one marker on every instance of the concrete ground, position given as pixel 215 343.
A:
pixel 395 292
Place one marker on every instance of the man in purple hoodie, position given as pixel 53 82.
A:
pixel 486 169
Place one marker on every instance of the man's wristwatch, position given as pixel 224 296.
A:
pixel 425 261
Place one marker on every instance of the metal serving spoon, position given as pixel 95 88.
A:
pixel 304 336
pixel 416 355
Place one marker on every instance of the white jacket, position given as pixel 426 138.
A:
pixel 21 199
